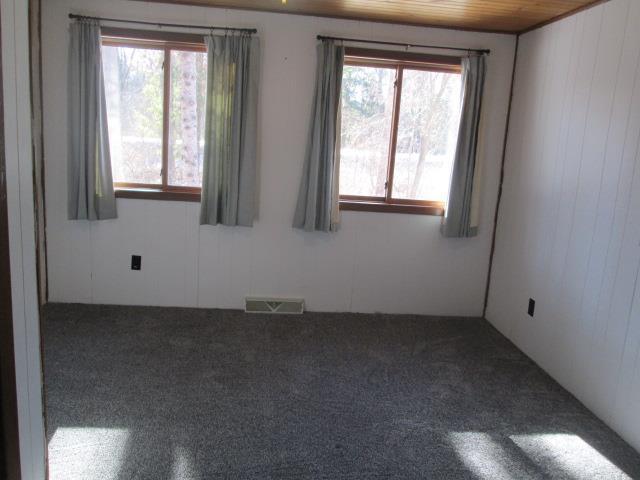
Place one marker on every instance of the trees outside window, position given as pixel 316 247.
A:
pixel 399 127
pixel 156 93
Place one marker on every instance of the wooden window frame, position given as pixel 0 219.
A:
pixel 166 42
pixel 398 61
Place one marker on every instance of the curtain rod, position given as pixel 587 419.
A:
pixel 398 44
pixel 173 25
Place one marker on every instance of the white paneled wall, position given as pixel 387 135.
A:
pixel 377 262
pixel 569 226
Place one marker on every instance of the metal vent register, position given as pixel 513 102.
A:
pixel 274 305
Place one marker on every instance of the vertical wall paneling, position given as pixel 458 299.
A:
pixel 377 262
pixel 569 229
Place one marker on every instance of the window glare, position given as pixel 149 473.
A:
pixel 427 135
pixel 134 94
pixel 428 115
pixel 367 107
pixel 186 124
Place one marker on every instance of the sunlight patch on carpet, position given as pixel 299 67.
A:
pixel 485 458
pixel 87 453
pixel 568 456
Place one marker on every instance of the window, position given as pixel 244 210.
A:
pixel 399 127
pixel 155 85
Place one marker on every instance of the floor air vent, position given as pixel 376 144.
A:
pixel 274 305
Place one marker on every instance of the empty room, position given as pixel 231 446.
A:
pixel 320 239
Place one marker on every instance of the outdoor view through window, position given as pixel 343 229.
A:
pixel 155 141
pixel 399 128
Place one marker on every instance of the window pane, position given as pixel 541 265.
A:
pixel 186 126
pixel 133 86
pixel 367 106
pixel 427 133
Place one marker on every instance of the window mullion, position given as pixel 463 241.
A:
pixel 394 133
pixel 165 116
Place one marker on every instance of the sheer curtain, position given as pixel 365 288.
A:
pixel 229 176
pixel 90 185
pixel 459 217
pixel 317 207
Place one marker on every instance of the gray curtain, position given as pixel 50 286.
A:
pixel 90 186
pixel 317 187
pixel 457 221
pixel 229 178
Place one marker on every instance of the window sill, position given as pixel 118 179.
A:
pixel 369 206
pixel 156 194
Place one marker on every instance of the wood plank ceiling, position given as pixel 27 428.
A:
pixel 509 16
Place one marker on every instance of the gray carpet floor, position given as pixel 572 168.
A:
pixel 186 394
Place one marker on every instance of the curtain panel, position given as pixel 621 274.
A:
pixel 90 185
pixel 229 172
pixel 317 207
pixel 459 216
